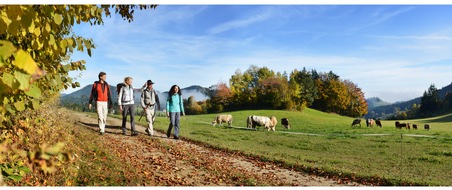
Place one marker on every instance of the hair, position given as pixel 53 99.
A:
pixel 101 74
pixel 172 91
pixel 126 79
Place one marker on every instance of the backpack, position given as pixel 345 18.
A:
pixel 119 86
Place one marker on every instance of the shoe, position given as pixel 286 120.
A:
pixel 147 131
pixel 101 133
pixel 176 137
pixel 134 133
pixel 124 133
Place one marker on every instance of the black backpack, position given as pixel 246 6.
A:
pixel 119 86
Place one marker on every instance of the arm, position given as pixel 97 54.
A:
pixel 167 107
pixel 120 98
pixel 181 104
pixel 91 96
pixel 157 101
pixel 142 99
pixel 110 102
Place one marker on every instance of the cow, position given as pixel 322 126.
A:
pixel 219 119
pixel 370 122
pixel 285 123
pixel 400 125
pixel 378 122
pixel 415 126
pixel 426 126
pixel 274 121
pixel 356 122
pixel 253 121
pixel 397 125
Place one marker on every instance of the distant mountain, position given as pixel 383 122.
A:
pixel 376 102
pixel 81 97
pixel 386 110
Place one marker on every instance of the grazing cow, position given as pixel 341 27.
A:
pixel 219 119
pixel 426 126
pixel 370 122
pixel 274 122
pixel 397 125
pixel 415 126
pixel 378 122
pixel 285 123
pixel 253 121
pixel 400 125
pixel 356 122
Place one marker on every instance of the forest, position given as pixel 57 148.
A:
pixel 263 88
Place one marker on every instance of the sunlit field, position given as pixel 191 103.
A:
pixel 328 143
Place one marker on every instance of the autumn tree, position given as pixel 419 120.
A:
pixel 36 43
pixel 220 97
pixel 304 88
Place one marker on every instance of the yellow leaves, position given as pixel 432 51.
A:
pixel 58 19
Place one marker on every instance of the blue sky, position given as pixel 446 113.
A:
pixel 390 51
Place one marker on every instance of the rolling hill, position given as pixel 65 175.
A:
pixel 380 110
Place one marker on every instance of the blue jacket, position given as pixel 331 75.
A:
pixel 177 105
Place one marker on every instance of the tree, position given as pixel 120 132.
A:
pixel 36 42
pixel 36 46
pixel 430 101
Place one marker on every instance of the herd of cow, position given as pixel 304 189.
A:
pixel 398 125
pixel 252 121
pixel 269 123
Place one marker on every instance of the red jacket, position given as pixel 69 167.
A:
pixel 100 92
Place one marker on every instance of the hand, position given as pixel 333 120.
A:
pixel 167 114
pixel 89 106
pixel 120 108
pixel 183 114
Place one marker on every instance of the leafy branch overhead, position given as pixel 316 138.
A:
pixel 36 43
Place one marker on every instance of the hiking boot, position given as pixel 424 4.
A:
pixel 176 138
pixel 147 131
pixel 134 133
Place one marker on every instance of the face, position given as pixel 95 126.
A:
pixel 129 81
pixel 150 86
pixel 104 77
pixel 176 89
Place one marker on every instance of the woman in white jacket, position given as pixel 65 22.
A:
pixel 127 105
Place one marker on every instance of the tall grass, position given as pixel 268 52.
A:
pixel 326 143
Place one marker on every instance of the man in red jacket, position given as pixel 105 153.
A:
pixel 101 94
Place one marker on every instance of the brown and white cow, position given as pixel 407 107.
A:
pixel 219 119
pixel 253 121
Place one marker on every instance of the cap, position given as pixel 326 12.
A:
pixel 149 82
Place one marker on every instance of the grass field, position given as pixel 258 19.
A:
pixel 327 144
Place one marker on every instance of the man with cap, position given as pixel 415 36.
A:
pixel 149 101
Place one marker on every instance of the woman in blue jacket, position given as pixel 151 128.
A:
pixel 174 108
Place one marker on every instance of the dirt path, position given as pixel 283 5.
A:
pixel 165 161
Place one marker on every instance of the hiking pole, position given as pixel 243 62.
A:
pixel 143 112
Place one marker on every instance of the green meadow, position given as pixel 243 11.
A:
pixel 326 144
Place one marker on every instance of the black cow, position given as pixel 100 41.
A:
pixel 356 122
pixel 285 123
pixel 378 122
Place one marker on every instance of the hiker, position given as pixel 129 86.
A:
pixel 100 92
pixel 149 101
pixel 127 105
pixel 174 107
